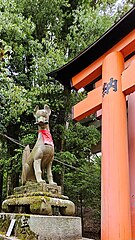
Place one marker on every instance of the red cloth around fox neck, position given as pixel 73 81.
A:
pixel 47 137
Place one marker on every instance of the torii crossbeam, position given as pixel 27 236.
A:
pixel 108 66
pixel 93 102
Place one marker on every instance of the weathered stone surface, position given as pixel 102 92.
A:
pixel 37 187
pixel 43 227
pixel 26 200
pixel 41 157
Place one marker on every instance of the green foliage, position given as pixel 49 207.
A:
pixel 15 102
pixel 85 183
pixel 82 169
pixel 89 24
pixel 79 138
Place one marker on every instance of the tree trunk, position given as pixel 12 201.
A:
pixel 1 183
pixel 13 175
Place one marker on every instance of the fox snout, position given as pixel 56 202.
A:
pixel 41 120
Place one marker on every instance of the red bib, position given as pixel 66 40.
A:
pixel 47 137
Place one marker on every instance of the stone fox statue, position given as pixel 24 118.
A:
pixel 41 157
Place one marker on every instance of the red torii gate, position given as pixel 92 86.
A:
pixel 111 71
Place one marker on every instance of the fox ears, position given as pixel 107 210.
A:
pixel 46 108
pixel 35 110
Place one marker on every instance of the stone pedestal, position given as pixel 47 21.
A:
pixel 39 198
pixel 38 227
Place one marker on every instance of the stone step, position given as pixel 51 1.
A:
pixel 42 227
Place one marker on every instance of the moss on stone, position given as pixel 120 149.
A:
pixel 20 231
pixel 4 224
pixel 24 232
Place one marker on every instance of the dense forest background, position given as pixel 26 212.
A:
pixel 37 37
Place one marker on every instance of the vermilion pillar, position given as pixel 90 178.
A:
pixel 115 200
pixel 131 137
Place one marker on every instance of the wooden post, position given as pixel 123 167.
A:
pixel 131 137
pixel 115 200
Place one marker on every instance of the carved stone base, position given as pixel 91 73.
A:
pixel 37 187
pixel 39 198
pixel 42 227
